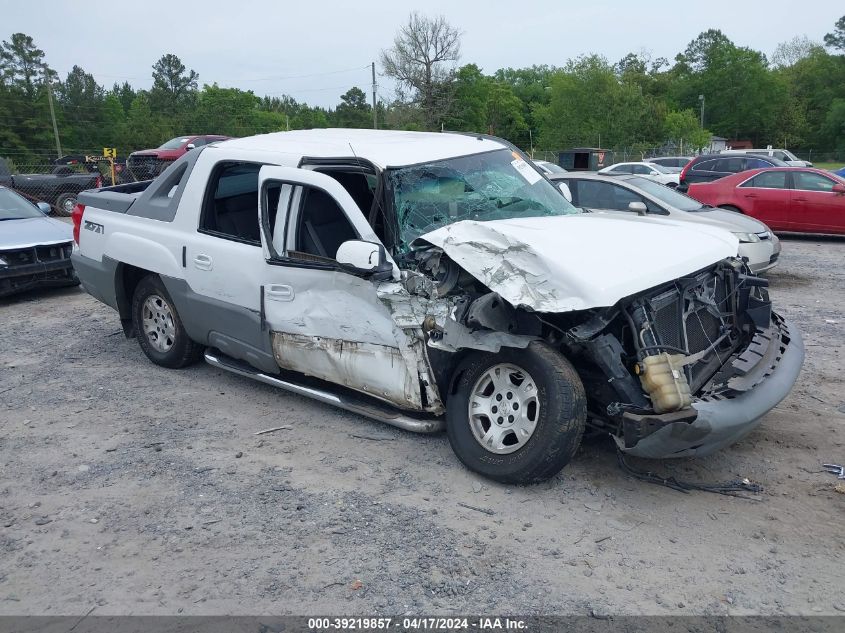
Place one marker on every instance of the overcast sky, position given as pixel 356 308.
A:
pixel 316 50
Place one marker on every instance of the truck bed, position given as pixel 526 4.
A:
pixel 117 198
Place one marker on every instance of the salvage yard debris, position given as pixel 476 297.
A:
pixel 730 488
pixel 273 430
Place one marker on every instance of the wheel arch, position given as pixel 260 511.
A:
pixel 127 278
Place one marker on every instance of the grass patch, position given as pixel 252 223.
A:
pixel 830 166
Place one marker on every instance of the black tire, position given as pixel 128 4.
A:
pixel 181 351
pixel 65 204
pixel 728 207
pixel 559 424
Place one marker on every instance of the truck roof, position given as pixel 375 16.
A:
pixel 383 148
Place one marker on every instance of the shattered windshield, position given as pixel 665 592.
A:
pixel 491 186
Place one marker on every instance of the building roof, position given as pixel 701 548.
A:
pixel 384 148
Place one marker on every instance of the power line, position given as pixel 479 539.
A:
pixel 272 78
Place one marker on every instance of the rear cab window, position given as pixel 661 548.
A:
pixel 230 205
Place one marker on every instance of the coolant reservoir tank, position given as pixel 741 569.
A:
pixel 663 377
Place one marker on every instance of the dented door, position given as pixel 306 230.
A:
pixel 323 321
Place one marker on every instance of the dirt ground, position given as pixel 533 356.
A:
pixel 134 489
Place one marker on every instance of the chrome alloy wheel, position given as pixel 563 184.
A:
pixel 503 408
pixel 157 320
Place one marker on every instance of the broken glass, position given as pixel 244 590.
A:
pixel 494 185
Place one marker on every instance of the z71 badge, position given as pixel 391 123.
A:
pixel 93 226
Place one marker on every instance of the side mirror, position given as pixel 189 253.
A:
pixel 839 189
pixel 43 207
pixel 364 258
pixel 564 189
pixel 189 147
pixel 638 207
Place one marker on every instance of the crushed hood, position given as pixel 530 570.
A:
pixel 576 262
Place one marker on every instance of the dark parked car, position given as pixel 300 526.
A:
pixel 58 189
pixel 708 167
pixel 34 249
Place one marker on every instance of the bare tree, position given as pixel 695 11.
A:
pixel 788 53
pixel 422 58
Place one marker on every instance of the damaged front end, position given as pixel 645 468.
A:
pixel 682 369
pixel 689 367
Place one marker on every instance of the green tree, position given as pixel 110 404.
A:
pixel 684 130
pixel 813 83
pixel 834 124
pixel 469 108
pixel 836 39
pixel 143 129
pixel 589 105
pixel 81 100
pixel 228 111
pixel 174 87
pixel 531 86
pixel 22 64
pixel 353 110
pixel 125 93
pixel 743 98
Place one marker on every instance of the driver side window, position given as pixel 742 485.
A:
pixel 316 226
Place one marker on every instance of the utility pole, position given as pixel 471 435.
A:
pixel 375 114
pixel 701 98
pixel 52 110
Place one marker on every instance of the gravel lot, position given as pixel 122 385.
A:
pixel 135 489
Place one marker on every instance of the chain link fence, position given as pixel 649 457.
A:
pixel 41 177
pixel 823 158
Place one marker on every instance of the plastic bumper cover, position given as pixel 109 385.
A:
pixel 777 354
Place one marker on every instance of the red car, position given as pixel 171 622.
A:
pixel 798 199
pixel 149 163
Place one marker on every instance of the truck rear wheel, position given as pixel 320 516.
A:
pixel 517 416
pixel 158 327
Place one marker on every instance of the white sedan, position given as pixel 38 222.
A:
pixel 657 173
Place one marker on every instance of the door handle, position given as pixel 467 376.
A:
pixel 800 199
pixel 280 292
pixel 203 262
pixel 750 195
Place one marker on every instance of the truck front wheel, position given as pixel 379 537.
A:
pixel 516 416
pixel 158 327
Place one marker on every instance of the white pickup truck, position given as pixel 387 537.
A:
pixel 440 281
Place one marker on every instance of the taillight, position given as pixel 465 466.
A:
pixel 684 171
pixel 76 216
pixel 98 183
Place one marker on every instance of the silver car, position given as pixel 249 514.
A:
pixel 633 194
pixel 34 249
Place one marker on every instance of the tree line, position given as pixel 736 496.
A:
pixel 795 100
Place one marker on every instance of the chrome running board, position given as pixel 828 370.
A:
pixel 369 409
